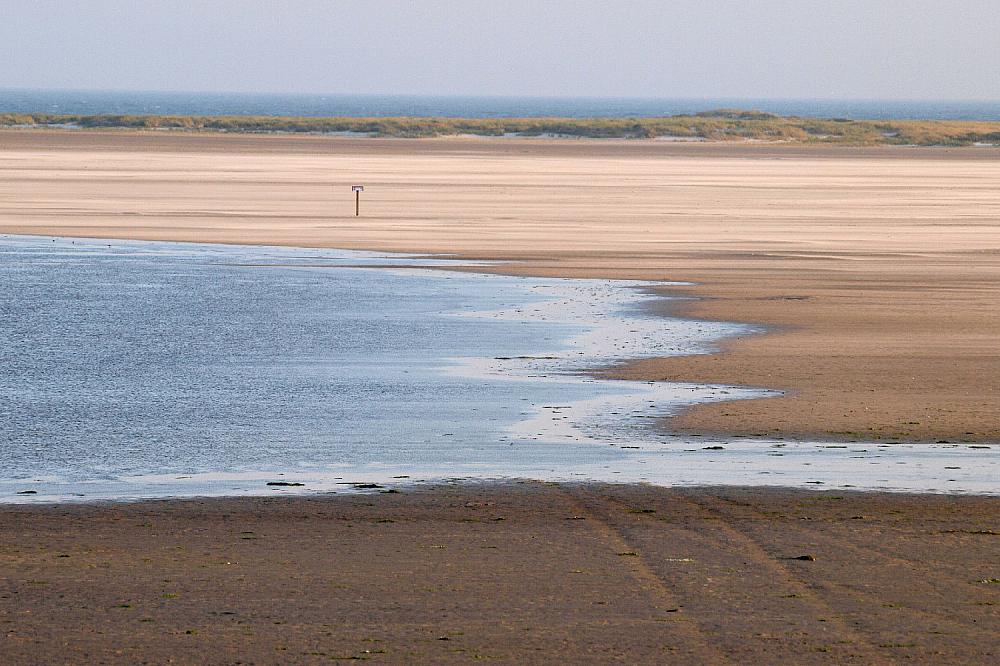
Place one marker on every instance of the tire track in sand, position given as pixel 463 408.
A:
pixel 740 574
pixel 664 598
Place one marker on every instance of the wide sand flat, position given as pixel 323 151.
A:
pixel 526 573
pixel 879 269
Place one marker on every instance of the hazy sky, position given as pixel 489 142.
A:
pixel 908 49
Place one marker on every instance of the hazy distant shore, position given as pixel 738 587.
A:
pixel 719 125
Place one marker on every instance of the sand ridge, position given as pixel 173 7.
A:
pixel 877 270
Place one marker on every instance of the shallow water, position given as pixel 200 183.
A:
pixel 132 369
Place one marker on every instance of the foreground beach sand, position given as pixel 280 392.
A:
pixel 878 270
pixel 523 572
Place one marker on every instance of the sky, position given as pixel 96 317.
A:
pixel 837 49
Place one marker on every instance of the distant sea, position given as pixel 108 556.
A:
pixel 225 104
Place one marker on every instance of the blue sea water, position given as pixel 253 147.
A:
pixel 197 103
pixel 137 369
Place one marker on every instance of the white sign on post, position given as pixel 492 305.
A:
pixel 357 188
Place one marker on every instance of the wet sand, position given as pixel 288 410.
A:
pixel 877 269
pixel 525 573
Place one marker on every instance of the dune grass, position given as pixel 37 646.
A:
pixel 718 125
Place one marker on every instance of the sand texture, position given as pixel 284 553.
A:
pixel 527 573
pixel 878 270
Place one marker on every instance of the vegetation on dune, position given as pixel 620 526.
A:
pixel 718 125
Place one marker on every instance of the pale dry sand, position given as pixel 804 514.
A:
pixel 878 269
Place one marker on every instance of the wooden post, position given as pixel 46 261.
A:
pixel 357 189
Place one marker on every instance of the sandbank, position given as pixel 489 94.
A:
pixel 877 270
